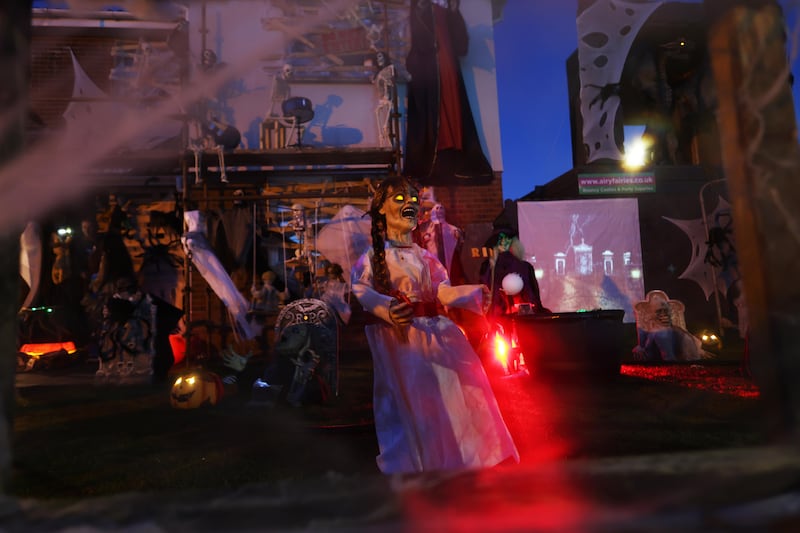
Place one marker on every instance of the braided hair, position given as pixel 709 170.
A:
pixel 380 272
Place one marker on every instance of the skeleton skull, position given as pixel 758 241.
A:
pixel 287 71
pixel 209 58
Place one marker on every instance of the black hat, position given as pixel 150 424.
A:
pixel 499 231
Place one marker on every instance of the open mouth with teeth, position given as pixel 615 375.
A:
pixel 409 212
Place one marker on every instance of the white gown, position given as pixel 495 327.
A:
pixel 434 406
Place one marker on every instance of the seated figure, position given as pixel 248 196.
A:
pixel 661 329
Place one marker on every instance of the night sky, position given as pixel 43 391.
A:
pixel 532 43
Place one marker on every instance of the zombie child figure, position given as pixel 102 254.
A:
pixel 434 406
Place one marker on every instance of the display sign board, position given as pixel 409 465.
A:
pixel 616 183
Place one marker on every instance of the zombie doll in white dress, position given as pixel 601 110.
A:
pixel 434 407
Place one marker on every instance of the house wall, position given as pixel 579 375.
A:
pixel 239 33
pixel 248 55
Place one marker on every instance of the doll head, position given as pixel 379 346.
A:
pixel 394 212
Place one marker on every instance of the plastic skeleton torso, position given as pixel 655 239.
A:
pixel 385 84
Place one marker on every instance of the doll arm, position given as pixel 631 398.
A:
pixel 469 297
pixel 371 300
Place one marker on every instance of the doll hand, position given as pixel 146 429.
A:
pixel 400 313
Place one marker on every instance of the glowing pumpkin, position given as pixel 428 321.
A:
pixel 710 340
pixel 195 389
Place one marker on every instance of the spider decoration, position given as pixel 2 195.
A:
pixel 720 251
pixel 606 92
pixel 161 254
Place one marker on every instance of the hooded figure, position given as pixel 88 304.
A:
pixel 442 144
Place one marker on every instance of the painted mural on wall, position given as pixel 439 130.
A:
pixel 216 66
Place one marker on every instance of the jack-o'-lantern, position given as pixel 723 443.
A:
pixel 195 389
pixel 710 340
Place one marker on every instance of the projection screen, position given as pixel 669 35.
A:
pixel 587 254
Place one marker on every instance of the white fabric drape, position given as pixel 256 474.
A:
pixel 207 264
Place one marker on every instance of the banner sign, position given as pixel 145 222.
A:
pixel 616 183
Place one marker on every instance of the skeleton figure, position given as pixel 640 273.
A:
pixel 207 131
pixel 281 91
pixel 385 83
pixel 661 330
pixel 303 231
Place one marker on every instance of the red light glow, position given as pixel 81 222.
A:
pixel 501 349
pixel 41 348
pixel 696 377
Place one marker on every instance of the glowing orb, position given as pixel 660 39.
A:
pixel 512 284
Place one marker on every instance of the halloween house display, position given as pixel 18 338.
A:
pixel 191 205
pixel 642 78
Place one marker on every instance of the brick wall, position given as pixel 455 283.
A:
pixel 472 204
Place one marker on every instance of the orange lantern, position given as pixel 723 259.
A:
pixel 194 389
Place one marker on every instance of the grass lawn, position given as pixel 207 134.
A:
pixel 79 440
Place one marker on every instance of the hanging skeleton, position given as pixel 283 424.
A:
pixel 386 85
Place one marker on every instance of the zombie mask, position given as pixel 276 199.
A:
pixel 401 209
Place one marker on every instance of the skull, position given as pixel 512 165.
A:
pixel 298 216
pixel 209 58
pixel 287 71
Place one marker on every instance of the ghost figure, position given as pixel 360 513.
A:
pixel 197 247
pixel 606 31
